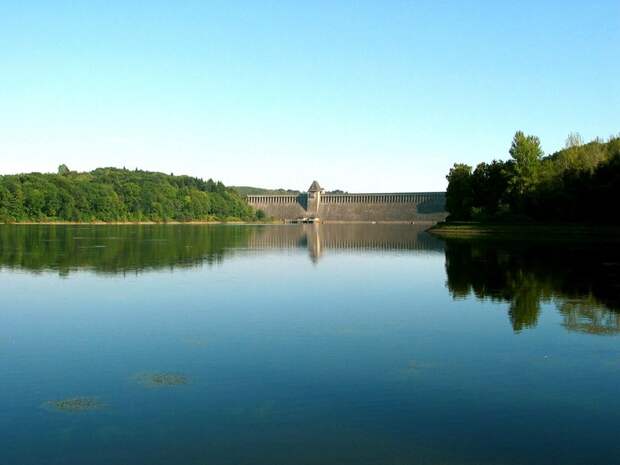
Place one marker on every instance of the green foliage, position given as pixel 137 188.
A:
pixel 111 194
pixel 527 154
pixel 459 195
pixel 577 184
pixel 249 190
pixel 490 182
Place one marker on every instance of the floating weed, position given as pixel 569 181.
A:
pixel 161 379
pixel 74 404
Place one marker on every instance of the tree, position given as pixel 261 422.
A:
pixel 490 183
pixel 573 140
pixel 459 194
pixel 577 184
pixel 527 154
pixel 63 170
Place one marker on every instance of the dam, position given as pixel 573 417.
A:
pixel 318 205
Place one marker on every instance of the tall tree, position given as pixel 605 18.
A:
pixel 526 152
pixel 459 195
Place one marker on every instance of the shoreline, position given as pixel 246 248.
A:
pixel 205 222
pixel 526 231
pixel 123 223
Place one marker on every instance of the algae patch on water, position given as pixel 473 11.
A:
pixel 161 379
pixel 74 404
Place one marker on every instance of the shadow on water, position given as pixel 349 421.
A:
pixel 581 279
pixel 138 248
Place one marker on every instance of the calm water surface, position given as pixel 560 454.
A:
pixel 343 344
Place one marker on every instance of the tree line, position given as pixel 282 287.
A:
pixel 112 194
pixel 580 183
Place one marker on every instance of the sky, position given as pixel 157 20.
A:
pixel 364 96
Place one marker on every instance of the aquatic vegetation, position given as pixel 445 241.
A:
pixel 161 379
pixel 75 404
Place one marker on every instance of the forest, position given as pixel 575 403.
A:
pixel 249 190
pixel 118 195
pixel 578 184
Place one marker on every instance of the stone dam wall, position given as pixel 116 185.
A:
pixel 388 207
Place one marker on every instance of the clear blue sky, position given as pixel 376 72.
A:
pixel 363 96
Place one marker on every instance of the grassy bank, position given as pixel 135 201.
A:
pixel 526 231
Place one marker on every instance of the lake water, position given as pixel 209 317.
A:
pixel 338 344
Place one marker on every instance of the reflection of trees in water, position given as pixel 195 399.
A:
pixel 527 294
pixel 589 317
pixel 583 280
pixel 123 248
pixel 115 248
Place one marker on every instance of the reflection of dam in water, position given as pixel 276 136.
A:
pixel 321 238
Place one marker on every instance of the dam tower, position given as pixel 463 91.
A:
pixel 315 193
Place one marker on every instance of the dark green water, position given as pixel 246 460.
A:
pixel 268 345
